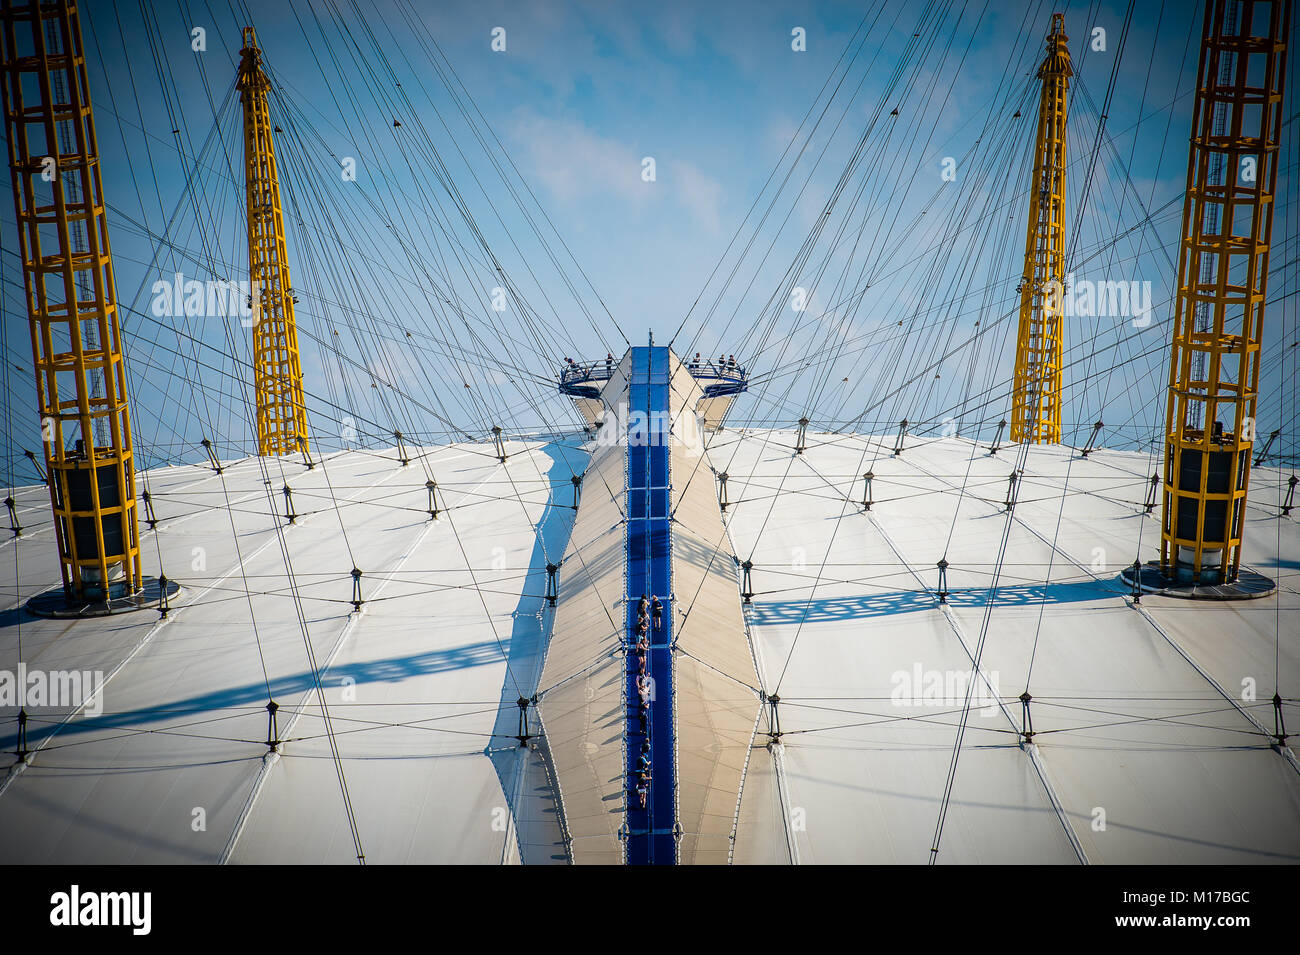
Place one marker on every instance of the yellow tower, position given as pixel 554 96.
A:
pixel 1222 285
pixel 71 300
pixel 1036 395
pixel 277 371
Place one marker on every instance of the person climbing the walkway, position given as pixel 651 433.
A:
pixel 658 610
pixel 641 604
pixel 609 364
pixel 642 645
pixel 642 791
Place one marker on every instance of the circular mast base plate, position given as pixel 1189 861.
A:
pixel 1249 585
pixel 57 604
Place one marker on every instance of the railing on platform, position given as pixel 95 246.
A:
pixel 584 379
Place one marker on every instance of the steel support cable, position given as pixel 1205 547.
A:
pixel 770 324
pixel 129 378
pixel 887 95
pixel 417 24
pixel 1292 209
pixel 976 662
pixel 440 167
pixel 9 464
pixel 858 293
pixel 190 184
pixel 1060 514
pixel 170 97
pixel 382 430
pixel 1164 140
pixel 821 222
pixel 776 168
pixel 320 689
pixel 1144 223
pixel 810 241
pixel 441 172
pixel 999 395
pixel 190 178
pixel 814 586
pixel 814 400
pixel 234 532
pixel 996 283
pixel 341 274
pixel 949 327
pixel 950 781
pixel 284 551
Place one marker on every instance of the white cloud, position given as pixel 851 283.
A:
pixel 574 162
pixel 701 193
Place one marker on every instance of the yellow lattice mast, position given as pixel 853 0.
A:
pixel 71 300
pixel 277 371
pixel 1222 286
pixel 1036 395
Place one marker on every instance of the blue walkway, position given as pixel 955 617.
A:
pixel 649 571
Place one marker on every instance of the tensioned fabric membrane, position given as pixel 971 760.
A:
pixel 1153 722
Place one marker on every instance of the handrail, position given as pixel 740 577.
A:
pixel 726 378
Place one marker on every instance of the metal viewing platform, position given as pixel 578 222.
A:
pixel 716 378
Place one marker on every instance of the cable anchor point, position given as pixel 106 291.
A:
pixel 1092 440
pixel 356 589
pixel 272 726
pixel 902 435
pixel 1026 718
pixel 997 439
pixel 212 457
pixel 432 487
pixel 552 584
pixel 1012 489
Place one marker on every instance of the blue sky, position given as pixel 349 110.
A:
pixel 582 94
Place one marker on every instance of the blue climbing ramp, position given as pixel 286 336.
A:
pixel 650 831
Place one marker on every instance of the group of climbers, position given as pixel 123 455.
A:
pixel 649 614
pixel 574 368
pixel 724 366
